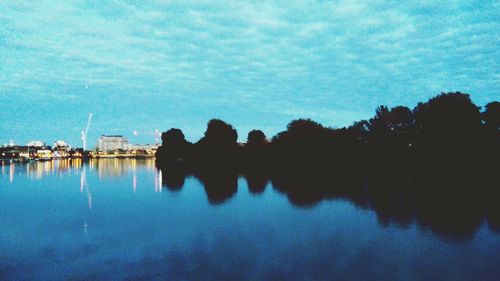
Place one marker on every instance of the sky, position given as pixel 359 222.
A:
pixel 146 65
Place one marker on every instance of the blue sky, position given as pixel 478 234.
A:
pixel 142 65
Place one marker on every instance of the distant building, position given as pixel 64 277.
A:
pixel 61 145
pixel 35 143
pixel 143 150
pixel 61 149
pixel 143 146
pixel 44 154
pixel 112 142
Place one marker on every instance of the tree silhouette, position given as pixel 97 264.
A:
pixel 428 165
pixel 301 131
pixel 391 128
pixel 220 134
pixel 174 146
pixel 255 152
pixel 218 148
pixel 173 137
pixel 491 119
pixel 256 138
pixel 491 115
pixel 447 125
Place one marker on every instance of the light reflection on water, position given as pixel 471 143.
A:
pixel 109 220
pixel 106 168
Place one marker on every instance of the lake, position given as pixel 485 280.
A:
pixel 116 219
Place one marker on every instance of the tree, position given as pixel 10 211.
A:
pixel 173 137
pixel 303 143
pixel 218 145
pixel 491 119
pixel 491 115
pixel 391 128
pixel 256 138
pixel 449 123
pixel 174 146
pixel 219 133
pixel 301 131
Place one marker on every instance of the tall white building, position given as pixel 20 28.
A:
pixel 112 142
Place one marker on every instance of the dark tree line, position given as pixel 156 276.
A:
pixel 447 129
pixel 435 164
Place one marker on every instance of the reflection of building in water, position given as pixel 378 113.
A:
pixel 11 166
pixel 76 164
pixel 11 174
pixel 39 169
pixel 63 166
pixel 83 184
pixel 111 167
pixel 112 142
pixel 158 183
pixel 106 168
pixel 115 167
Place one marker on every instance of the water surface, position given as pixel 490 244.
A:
pixel 115 220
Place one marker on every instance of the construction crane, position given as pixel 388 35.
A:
pixel 156 134
pixel 85 133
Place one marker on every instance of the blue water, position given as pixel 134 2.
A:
pixel 112 220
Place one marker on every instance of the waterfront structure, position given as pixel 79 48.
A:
pixel 59 144
pixel 26 152
pixel 143 150
pixel 35 143
pixel 112 142
pixel 44 154
pixel 143 146
pixel 61 149
pixel 109 146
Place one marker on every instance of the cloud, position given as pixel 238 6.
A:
pixel 289 57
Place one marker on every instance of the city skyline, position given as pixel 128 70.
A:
pixel 62 143
pixel 157 65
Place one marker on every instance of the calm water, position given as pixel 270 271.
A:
pixel 113 220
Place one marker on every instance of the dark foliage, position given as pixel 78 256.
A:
pixel 219 134
pixel 491 119
pixel 447 125
pixel 174 147
pixel 433 165
pixel 256 138
pixel 491 115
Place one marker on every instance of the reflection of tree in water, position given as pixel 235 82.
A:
pixel 173 177
pixel 219 184
pixel 256 182
pixel 219 187
pixel 446 203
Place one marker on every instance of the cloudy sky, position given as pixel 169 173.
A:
pixel 142 65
